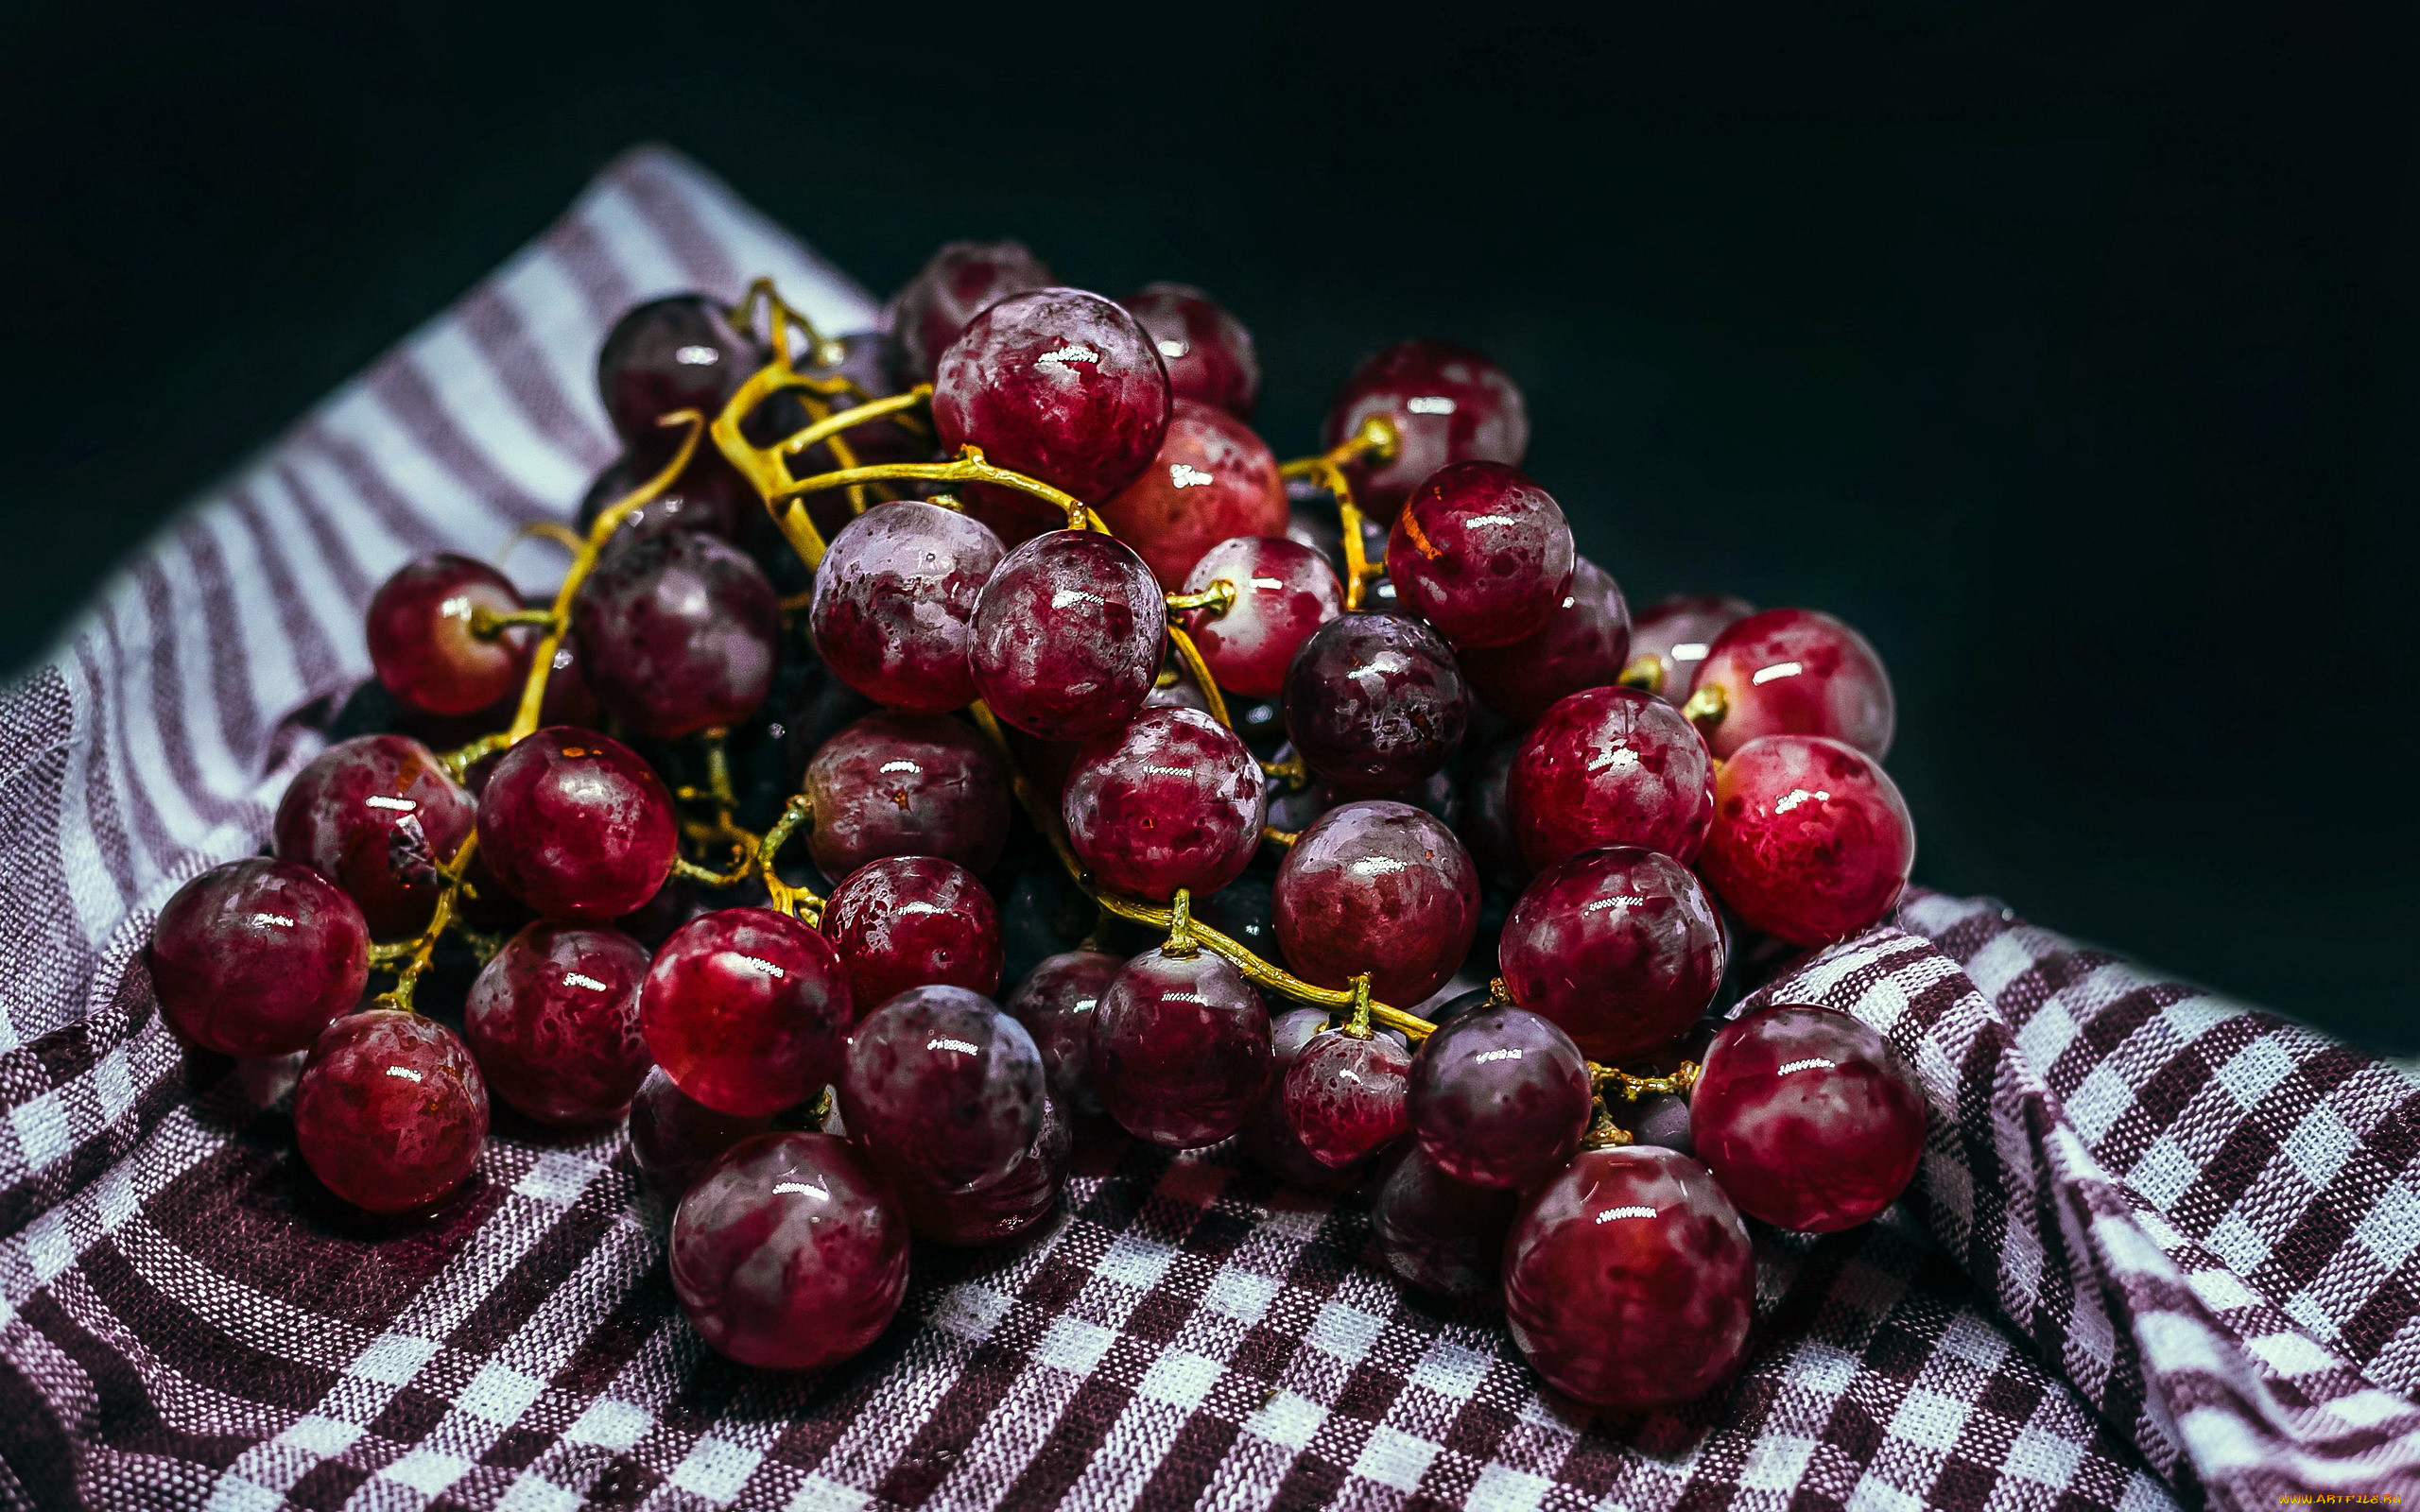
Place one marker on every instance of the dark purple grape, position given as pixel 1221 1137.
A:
pixel 1013 1207
pixel 377 814
pixel 1379 887
pixel 1345 1096
pixel 895 784
pixel 554 1021
pixel 666 355
pixel 1620 945
pixel 1181 1050
pixel 707 496
pixel 1374 702
pixel 1056 1003
pixel 1586 644
pixel 1500 1098
pixel 1209 353
pixel 677 633
pixel 1446 404
pixel 577 825
pixel 943 1089
pixel 390 1114
pixel 957 284
pixel 1059 385
pixel 673 1136
pixel 1482 553
pixel 1437 1234
pixel 910 921
pixel 1173 800
pixel 1066 635
pixel 255 956
pixel 789 1253
pixel 893 599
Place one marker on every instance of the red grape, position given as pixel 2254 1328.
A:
pixel 1628 1281
pixel 892 602
pixel 577 825
pixel 1284 591
pixel 1181 1049
pixel 1209 353
pixel 1010 1208
pixel 1058 384
pixel 553 1021
pixel 1796 672
pixel 1066 635
pixel 895 784
pixel 677 633
pixel 1808 1118
pixel 1500 1097
pixel 1374 702
pixel 673 1136
pixel 943 1089
pixel 255 956
pixel 910 921
pixel 1172 800
pixel 670 354
pixel 1437 1234
pixel 789 1253
pixel 1678 631
pixel 707 496
pixel 1811 840
pixel 748 1011
pixel 1610 766
pixel 421 641
pixel 377 816
pixel 1584 644
pixel 1381 888
pixel 952 287
pixel 1268 1136
pixel 1447 404
pixel 1345 1095
pixel 1620 945
pixel 1055 1003
pixel 1482 553
pixel 390 1114
pixel 1212 478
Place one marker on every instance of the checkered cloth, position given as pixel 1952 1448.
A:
pixel 2161 1249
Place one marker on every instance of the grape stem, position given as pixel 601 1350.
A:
pixel 410 959
pixel 1377 439
pixel 1218 598
pixel 1644 672
pixel 487 624
pixel 1290 772
pixel 1705 708
pixel 1677 1083
pixel 1192 655
pixel 1357 1022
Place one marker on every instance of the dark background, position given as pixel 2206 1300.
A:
pixel 2069 350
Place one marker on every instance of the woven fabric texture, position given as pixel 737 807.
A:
pixel 2161 1250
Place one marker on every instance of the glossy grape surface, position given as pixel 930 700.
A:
pixel 1211 479
pixel 1628 1281
pixel 1499 1098
pixel 1066 635
pixel 1797 672
pixel 670 354
pixel 1437 1234
pixel 421 642
pixel 1808 1118
pixel 789 1253
pixel 1056 1003
pixel 943 1089
pixel 1345 1096
pixel 376 814
pixel 674 1136
pixel 1486 823
pixel 909 921
pixel 893 600
pixel 1382 887
pixel 748 1011
pixel 895 784
pixel 577 825
pixel 553 1019
pixel 1619 946
pixel 1374 702
pixel 1284 591
pixel 1678 631
pixel 1180 1051
pixel 677 633
pixel 1482 553
pixel 1209 353
pixel 255 956
pixel 1172 800
pixel 1610 766
pixel 1447 403
pixel 955 284
pixel 1013 1207
pixel 1268 1136
pixel 1586 643
pixel 390 1112
pixel 708 496
pixel 1058 384
pixel 1811 840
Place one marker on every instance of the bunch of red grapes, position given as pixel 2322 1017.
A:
pixel 1337 807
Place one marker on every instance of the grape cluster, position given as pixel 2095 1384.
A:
pixel 1336 806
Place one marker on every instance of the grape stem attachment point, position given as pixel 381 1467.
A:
pixel 1705 708
pixel 1218 598
pixel 1644 673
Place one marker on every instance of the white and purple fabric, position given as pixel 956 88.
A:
pixel 2163 1249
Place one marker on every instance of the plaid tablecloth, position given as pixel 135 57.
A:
pixel 2161 1249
